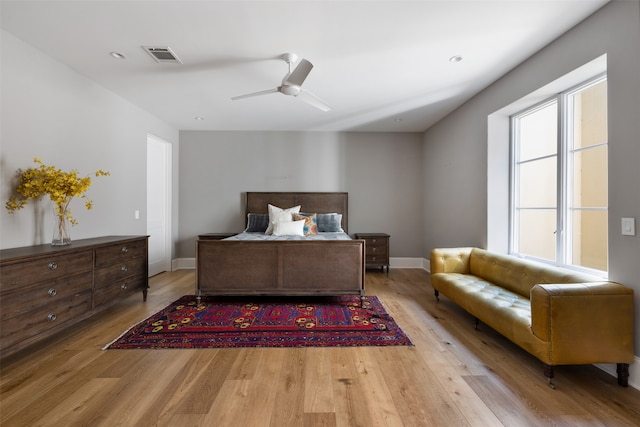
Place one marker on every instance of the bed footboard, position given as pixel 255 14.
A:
pixel 228 267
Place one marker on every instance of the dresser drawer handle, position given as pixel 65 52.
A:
pixel 123 268
pixel 52 292
pixel 51 317
pixel 53 265
pixel 123 287
pixel 374 241
pixel 124 250
pixel 373 249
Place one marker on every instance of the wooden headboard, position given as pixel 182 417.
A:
pixel 313 202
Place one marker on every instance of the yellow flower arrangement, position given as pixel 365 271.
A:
pixel 59 185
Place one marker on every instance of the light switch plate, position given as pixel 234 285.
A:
pixel 628 226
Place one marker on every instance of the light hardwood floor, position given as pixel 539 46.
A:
pixel 453 376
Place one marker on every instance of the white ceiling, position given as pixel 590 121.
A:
pixel 381 65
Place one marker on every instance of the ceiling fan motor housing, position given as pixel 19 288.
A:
pixel 290 57
pixel 293 90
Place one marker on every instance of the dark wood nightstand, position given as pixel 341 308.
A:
pixel 376 250
pixel 215 236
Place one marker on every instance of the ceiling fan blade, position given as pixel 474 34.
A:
pixel 262 92
pixel 299 74
pixel 313 100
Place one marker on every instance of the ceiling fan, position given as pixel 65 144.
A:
pixel 292 82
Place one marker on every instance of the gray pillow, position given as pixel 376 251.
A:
pixel 257 223
pixel 329 223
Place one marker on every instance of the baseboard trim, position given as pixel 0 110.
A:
pixel 406 262
pixel 183 264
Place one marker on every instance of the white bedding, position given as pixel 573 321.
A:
pixel 263 236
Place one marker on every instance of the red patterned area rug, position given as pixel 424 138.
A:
pixel 265 322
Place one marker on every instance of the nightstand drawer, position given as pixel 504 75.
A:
pixel 376 249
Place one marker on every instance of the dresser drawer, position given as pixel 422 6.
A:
pixel 19 303
pixel 45 268
pixel 118 289
pixel 104 276
pixel 121 252
pixel 43 318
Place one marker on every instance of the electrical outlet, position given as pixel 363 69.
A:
pixel 136 214
pixel 628 226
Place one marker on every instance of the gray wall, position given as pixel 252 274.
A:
pixel 52 112
pixel 455 150
pixel 381 171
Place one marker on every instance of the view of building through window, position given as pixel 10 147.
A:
pixel 559 179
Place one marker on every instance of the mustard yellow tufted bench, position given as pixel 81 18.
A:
pixel 560 317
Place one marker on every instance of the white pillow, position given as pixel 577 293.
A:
pixel 277 214
pixel 289 228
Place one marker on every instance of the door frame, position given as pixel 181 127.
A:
pixel 166 238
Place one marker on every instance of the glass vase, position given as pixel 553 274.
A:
pixel 60 229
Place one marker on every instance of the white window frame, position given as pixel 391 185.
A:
pixel 564 172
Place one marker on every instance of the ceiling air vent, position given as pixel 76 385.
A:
pixel 162 54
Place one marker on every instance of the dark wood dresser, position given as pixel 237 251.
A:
pixel 45 288
pixel 376 249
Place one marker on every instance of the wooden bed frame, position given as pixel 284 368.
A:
pixel 323 268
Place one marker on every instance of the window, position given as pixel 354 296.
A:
pixel 559 196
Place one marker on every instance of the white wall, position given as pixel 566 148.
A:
pixel 455 150
pixel 381 172
pixel 52 112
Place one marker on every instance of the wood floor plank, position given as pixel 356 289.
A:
pixel 132 396
pixel 176 391
pixel 318 390
pixel 290 386
pixel 416 392
pixel 319 420
pixel 374 397
pixel 249 402
pixel 72 409
pixel 200 394
pixel 41 396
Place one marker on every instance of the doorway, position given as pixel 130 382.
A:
pixel 159 204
